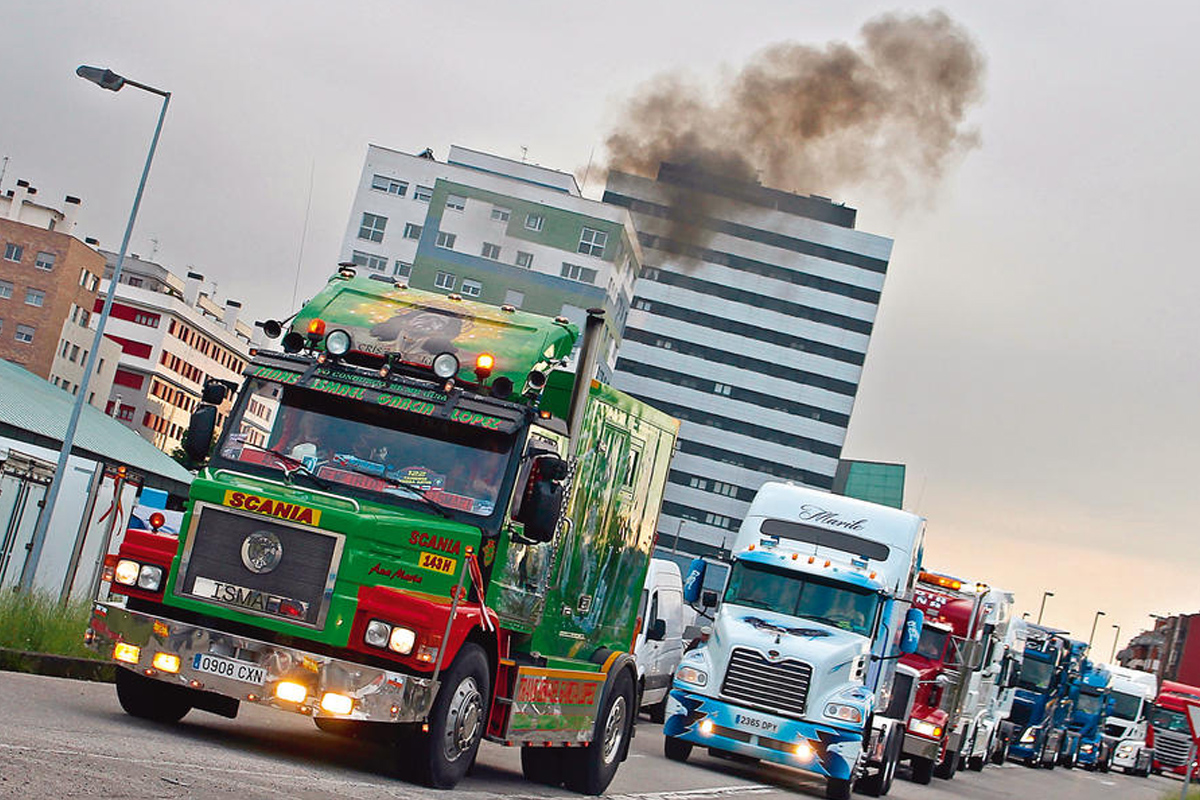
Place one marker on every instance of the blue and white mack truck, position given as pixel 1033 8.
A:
pixel 799 667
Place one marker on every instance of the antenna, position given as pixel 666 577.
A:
pixel 588 171
pixel 524 152
pixel 154 249
pixel 304 230
pixel 3 169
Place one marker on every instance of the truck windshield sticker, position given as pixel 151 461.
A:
pixel 846 542
pixel 396 574
pixel 292 512
pixel 763 625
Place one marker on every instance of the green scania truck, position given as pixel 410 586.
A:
pixel 415 524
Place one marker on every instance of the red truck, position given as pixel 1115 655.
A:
pixel 939 673
pixel 1169 735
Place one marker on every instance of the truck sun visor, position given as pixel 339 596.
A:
pixel 846 542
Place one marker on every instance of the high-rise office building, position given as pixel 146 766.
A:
pixel 750 323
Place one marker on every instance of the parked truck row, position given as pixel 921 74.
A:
pixel 424 522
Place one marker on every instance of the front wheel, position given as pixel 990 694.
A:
pixel 445 753
pixel 590 770
pixel 837 789
pixel 676 749
pixel 147 698
pixel 922 770
pixel 947 766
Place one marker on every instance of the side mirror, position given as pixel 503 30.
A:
pixel 709 599
pixel 200 432
pixel 657 631
pixel 910 637
pixel 695 580
pixel 214 393
pixel 542 498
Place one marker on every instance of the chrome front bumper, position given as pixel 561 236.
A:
pixel 379 695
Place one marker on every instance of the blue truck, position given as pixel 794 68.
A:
pixel 1092 703
pixel 1038 725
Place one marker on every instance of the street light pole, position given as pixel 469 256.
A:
pixel 1043 608
pixel 106 79
pixel 1116 638
pixel 1095 619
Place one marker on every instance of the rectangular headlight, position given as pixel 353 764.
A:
pixel 843 712
pixel 1028 736
pixel 377 633
pixel 127 572
pixel 150 577
pixel 923 728
pixel 692 675
pixel 402 640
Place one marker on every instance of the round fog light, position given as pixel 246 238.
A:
pixel 377 633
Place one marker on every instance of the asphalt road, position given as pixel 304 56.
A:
pixel 62 738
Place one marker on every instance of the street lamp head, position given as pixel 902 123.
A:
pixel 1048 594
pixel 1101 614
pixel 104 78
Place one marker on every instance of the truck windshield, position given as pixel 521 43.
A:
pixel 841 606
pixel 1089 703
pixel 1126 706
pixel 367 450
pixel 1165 718
pixel 932 643
pixel 1035 675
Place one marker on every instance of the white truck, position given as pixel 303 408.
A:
pixel 799 667
pixel 991 687
pixel 1133 692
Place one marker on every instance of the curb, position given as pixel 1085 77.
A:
pixel 80 669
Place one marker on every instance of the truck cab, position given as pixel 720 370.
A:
pixel 1042 702
pixel 1126 728
pixel 415 519
pixel 798 670
pixel 1169 735
pixel 1092 701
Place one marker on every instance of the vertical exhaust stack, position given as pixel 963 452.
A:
pixel 229 319
pixel 18 200
pixel 584 370
pixel 70 215
pixel 191 288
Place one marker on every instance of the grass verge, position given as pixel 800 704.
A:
pixel 35 622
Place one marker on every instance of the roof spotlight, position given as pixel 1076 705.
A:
pixel 338 343
pixel 445 365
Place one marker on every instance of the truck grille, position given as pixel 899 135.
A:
pixel 1171 748
pixel 297 589
pixel 780 686
pixel 902 687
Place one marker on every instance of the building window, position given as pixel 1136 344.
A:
pixel 402 270
pixel 698 483
pixel 534 222
pixel 412 230
pixel 471 288
pixel 592 242
pixel 126 413
pixel 373 262
pixel 491 251
pixel 456 202
pixel 721 388
pixel 514 298
pixel 74 353
pixel 575 272
pixel 372 227
pixel 5 290
pixel 389 185
pixel 524 259
pixel 641 305
pixel 25 333
pixel 135 282
pixel 35 297
pixel 423 193
pixel 445 280
pixel 501 214
pixel 13 252
pixel 44 261
pixel 446 240
pixel 147 319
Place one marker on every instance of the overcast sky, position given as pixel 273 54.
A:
pixel 1034 362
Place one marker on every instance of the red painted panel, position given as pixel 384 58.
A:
pixel 130 379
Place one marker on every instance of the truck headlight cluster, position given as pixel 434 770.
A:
pixel 926 729
pixel 692 675
pixel 143 576
pixel 1086 748
pixel 1126 750
pixel 1029 736
pixel 398 638
pixel 843 712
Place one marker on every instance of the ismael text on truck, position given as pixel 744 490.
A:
pixel 798 669
pixel 415 523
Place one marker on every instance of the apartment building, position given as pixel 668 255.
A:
pixel 48 286
pixel 495 230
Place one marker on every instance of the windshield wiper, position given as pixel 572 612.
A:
pixel 296 466
pixel 415 493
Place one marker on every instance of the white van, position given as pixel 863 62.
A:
pixel 658 646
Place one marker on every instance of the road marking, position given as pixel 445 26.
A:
pixel 682 794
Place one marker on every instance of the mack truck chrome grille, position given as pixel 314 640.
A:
pixel 258 565
pixel 1171 748
pixel 778 686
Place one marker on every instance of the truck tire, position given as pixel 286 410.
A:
pixel 591 769
pixel 837 789
pixel 880 783
pixel 922 770
pixel 542 765
pixel 946 768
pixel 658 711
pixel 442 756
pixel 1052 761
pixel 147 698
pixel 676 749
